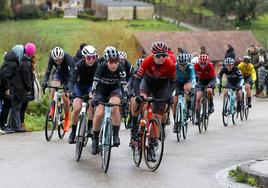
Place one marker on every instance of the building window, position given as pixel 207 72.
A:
pixel 60 3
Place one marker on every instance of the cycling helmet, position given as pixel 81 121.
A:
pixel 203 59
pixel 89 50
pixel 30 49
pixel 159 47
pixel 139 62
pixel 122 55
pixel 229 61
pixel 111 53
pixel 57 53
pixel 183 59
pixel 247 59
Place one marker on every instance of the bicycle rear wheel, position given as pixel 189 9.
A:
pixel 80 139
pixel 106 144
pixel 61 113
pixel 226 111
pixel 193 110
pixel 137 148
pixel 50 124
pixel 153 144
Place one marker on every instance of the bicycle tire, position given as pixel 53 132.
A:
pixel 246 112
pixel 225 111
pixel 137 149
pixel 205 115
pixel 61 132
pixel 80 139
pixel 153 166
pixel 193 110
pixel 185 130
pixel 50 124
pixel 177 119
pixel 106 145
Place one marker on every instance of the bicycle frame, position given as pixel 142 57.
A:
pixel 231 94
pixel 58 103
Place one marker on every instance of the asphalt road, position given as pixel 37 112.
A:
pixel 28 160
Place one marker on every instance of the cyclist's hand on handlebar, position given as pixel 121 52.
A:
pixel 139 99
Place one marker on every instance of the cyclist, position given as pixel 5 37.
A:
pixel 234 79
pixel 64 69
pixel 249 75
pixel 157 77
pixel 185 82
pixel 81 84
pixel 109 85
pixel 206 78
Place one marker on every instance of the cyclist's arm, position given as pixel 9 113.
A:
pixel 172 82
pixel 219 77
pixel 70 63
pixel 74 76
pixel 97 76
pixel 192 74
pixel 123 81
pixel 253 74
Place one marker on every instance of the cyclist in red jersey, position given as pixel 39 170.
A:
pixel 156 77
pixel 206 78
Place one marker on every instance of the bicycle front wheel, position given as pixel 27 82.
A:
pixel 177 121
pixel 205 115
pixel 80 139
pixel 153 144
pixel 50 124
pixel 226 111
pixel 61 115
pixel 106 144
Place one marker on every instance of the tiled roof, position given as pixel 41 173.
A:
pixel 191 41
pixel 122 3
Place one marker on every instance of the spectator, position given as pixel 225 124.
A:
pixel 230 52
pixel 263 71
pixel 8 72
pixel 253 53
pixel 203 50
pixel 23 87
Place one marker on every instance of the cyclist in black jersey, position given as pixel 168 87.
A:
pixel 64 69
pixel 109 85
pixel 234 79
pixel 126 64
pixel 81 84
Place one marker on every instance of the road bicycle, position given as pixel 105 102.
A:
pixel 203 118
pixel 150 129
pixel 181 117
pixel 57 120
pixel 82 128
pixel 229 106
pixel 105 141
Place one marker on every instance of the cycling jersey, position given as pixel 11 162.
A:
pixel 129 70
pixel 83 74
pixel 157 73
pixel 188 75
pixel 233 77
pixel 247 70
pixel 65 69
pixel 205 74
pixel 106 79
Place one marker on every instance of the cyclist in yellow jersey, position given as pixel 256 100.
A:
pixel 249 75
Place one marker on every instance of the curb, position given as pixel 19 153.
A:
pixel 262 179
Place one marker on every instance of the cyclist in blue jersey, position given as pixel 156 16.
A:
pixel 185 77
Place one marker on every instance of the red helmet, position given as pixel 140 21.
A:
pixel 159 47
pixel 203 59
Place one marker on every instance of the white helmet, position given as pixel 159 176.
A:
pixel 89 50
pixel 57 53
pixel 110 52
pixel 122 55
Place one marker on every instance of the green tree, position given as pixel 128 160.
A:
pixel 5 11
pixel 242 9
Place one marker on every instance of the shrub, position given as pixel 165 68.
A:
pixel 5 12
pixel 89 12
pixel 89 17
pixel 28 11
pixel 58 12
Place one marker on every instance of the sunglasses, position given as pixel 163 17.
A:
pixel 158 56
pixel 91 58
